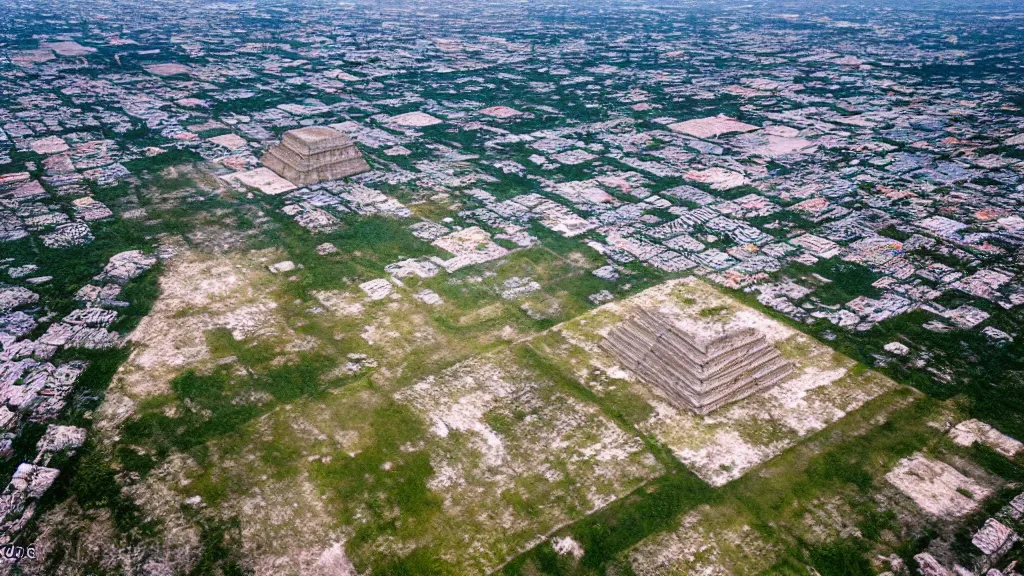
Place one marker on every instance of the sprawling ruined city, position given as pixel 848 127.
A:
pixel 407 287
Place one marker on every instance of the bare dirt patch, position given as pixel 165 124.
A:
pixel 515 456
pixel 707 544
pixel 199 292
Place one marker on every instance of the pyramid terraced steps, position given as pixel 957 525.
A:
pixel 699 366
pixel 315 154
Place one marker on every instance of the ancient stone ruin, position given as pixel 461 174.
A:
pixel 315 154
pixel 696 364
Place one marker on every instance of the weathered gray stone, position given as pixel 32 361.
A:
pixel 17 504
pixel 57 439
pixel 994 538
pixel 12 297
pixel 125 266
pixel 929 566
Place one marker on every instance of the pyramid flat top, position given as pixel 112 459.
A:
pixel 703 332
pixel 315 139
pixel 313 134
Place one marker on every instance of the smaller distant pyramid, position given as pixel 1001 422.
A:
pixel 701 368
pixel 315 154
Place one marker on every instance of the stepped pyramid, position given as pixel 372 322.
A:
pixel 315 154
pixel 693 364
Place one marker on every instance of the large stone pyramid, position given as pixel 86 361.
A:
pixel 306 156
pixel 697 365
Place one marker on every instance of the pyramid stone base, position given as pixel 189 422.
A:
pixel 315 154
pixel 700 372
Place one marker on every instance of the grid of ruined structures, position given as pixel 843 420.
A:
pixel 315 154
pixel 697 365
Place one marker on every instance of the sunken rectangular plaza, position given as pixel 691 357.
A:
pixel 697 365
